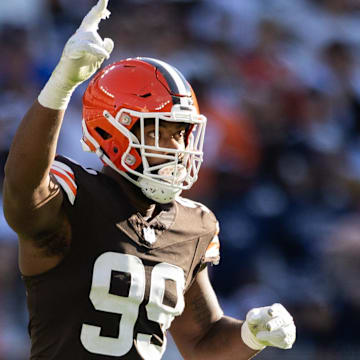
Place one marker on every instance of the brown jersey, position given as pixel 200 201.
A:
pixel 123 279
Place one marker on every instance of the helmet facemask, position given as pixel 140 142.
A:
pixel 178 168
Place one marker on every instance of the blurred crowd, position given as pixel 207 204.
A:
pixel 279 82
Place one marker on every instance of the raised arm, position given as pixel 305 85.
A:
pixel 203 332
pixel 32 200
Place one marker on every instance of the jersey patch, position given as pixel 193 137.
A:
pixel 66 179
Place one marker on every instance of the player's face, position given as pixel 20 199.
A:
pixel 171 136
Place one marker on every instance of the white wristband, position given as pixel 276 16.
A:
pixel 249 339
pixel 55 95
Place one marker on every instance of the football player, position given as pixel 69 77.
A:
pixel 113 259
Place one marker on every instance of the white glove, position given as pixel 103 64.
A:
pixel 83 54
pixel 269 326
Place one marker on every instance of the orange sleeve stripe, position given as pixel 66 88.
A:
pixel 66 179
pixel 212 245
pixel 57 165
pixel 71 175
pixel 213 250
pixel 215 243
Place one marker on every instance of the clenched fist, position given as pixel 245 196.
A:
pixel 269 326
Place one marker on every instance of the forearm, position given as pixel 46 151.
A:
pixel 33 148
pixel 223 341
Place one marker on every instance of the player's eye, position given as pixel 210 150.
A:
pixel 180 135
pixel 151 134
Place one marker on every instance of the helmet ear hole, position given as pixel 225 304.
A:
pixel 145 95
pixel 105 135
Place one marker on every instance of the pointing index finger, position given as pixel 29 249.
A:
pixel 96 14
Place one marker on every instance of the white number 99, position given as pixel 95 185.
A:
pixel 128 306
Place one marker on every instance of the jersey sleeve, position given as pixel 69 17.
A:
pixel 210 244
pixel 212 253
pixel 65 177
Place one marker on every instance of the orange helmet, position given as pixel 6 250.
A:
pixel 128 92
